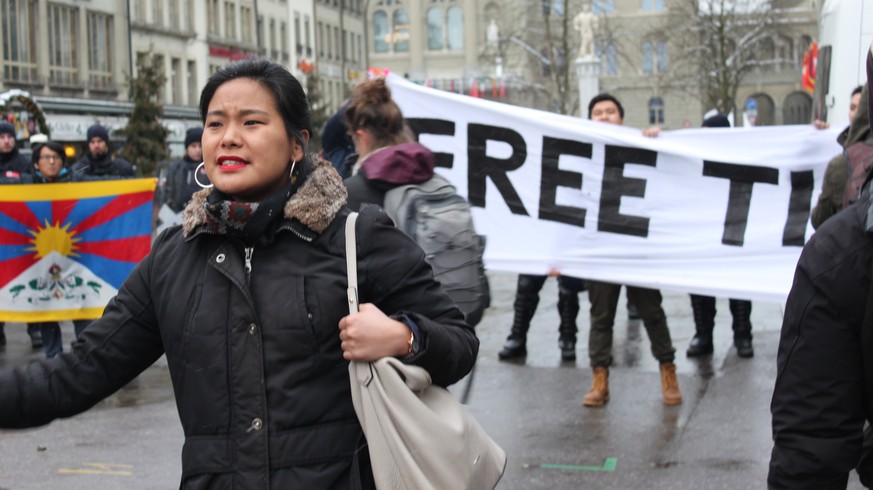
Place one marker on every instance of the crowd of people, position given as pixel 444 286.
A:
pixel 262 234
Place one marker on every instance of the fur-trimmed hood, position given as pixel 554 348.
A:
pixel 315 204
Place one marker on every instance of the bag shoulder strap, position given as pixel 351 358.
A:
pixel 352 262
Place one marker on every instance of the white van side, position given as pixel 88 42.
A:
pixel 845 34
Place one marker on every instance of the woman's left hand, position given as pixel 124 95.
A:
pixel 370 334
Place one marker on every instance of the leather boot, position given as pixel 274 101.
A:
pixel 669 384
pixel 599 392
pixel 568 308
pixel 742 324
pixel 703 308
pixel 525 306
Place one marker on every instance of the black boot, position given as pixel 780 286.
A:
pixel 742 324
pixel 568 308
pixel 527 298
pixel 704 320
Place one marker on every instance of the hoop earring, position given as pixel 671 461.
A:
pixel 291 174
pixel 197 171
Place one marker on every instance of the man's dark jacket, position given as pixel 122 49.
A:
pixel 824 383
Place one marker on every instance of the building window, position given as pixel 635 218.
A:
pixel 456 28
pixel 229 20
pixel 283 41
pixel 609 57
pixel 663 58
pixel 298 45
pixel 158 12
pixel 245 17
pixel 319 30
pixel 212 17
pixel 158 63
pixel 63 37
pixel 647 57
pixel 306 38
pixel 653 5
pixel 176 80
pixel 189 11
pixel 19 40
pixel 435 29
pixel 380 31
pixel 400 34
pixel 176 9
pixel 602 7
pixel 656 110
pixel 797 108
pixel 138 11
pixel 100 50
pixel 655 61
pixel 191 73
pixel 274 53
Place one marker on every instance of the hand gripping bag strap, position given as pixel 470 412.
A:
pixel 419 436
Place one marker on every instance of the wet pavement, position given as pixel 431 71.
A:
pixel 719 438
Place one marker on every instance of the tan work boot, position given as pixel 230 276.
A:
pixel 599 392
pixel 669 385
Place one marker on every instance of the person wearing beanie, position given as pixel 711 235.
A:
pixel 98 162
pixel 186 172
pixel 14 169
pixel 704 306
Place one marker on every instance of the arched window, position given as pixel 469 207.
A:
pixel 435 29
pixel 456 28
pixel 656 110
pixel 648 63
pixel 797 108
pixel 400 34
pixel 380 32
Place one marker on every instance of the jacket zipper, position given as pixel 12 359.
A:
pixel 249 251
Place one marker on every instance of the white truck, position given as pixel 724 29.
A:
pixel 845 33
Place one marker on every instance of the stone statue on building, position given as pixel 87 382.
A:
pixel 586 23
pixel 492 35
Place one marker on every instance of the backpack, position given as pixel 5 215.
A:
pixel 439 220
pixel 860 158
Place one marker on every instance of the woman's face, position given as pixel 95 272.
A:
pixel 246 149
pixel 49 163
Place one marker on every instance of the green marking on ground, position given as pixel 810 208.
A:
pixel 609 464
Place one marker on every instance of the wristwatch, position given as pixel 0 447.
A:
pixel 414 342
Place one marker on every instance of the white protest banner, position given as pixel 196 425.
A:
pixel 715 211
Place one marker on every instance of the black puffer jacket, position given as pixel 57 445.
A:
pixel 823 391
pixel 105 166
pixel 260 382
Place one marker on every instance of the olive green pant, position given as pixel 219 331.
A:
pixel 604 300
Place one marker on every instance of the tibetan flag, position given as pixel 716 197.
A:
pixel 65 249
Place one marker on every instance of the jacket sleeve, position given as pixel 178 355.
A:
pixel 110 352
pixel 395 277
pixel 833 186
pixel 818 401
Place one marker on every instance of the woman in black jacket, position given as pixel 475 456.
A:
pixel 247 301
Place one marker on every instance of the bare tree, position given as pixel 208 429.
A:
pixel 717 43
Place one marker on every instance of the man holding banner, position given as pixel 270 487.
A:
pixel 604 300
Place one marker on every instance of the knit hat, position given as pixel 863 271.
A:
pixel 98 131
pixel 717 121
pixel 6 127
pixel 193 135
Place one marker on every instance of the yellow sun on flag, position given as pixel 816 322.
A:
pixel 54 238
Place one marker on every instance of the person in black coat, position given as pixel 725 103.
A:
pixel 247 299
pixel 823 395
pixel 98 162
pixel 186 174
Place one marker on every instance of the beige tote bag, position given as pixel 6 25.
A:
pixel 419 436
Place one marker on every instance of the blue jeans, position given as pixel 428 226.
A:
pixel 52 344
